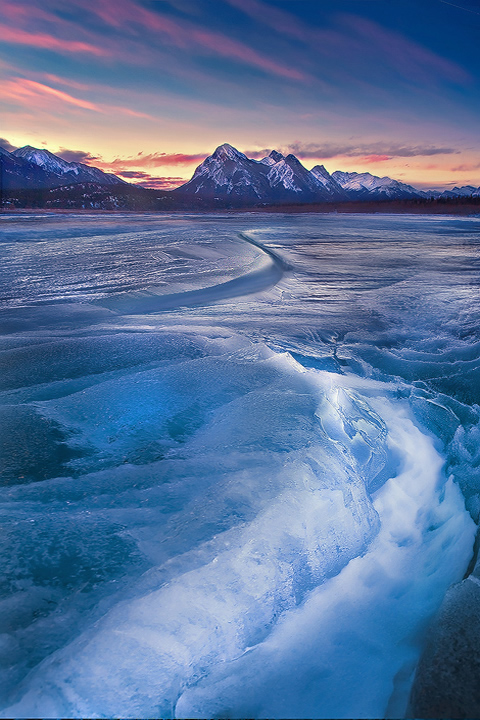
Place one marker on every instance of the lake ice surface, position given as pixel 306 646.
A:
pixel 240 459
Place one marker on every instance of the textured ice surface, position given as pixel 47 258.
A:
pixel 231 479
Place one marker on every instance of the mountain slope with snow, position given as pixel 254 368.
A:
pixel 70 172
pixel 366 186
pixel 328 182
pixel 464 191
pixel 226 178
pixel 228 174
pixel 18 173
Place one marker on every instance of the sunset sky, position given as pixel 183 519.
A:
pixel 148 88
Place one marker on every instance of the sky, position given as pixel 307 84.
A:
pixel 148 88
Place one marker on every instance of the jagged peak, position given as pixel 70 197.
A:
pixel 24 151
pixel 291 159
pixel 277 156
pixel 28 151
pixel 56 165
pixel 228 151
pixel 229 168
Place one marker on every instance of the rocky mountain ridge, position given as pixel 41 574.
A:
pixel 37 169
pixel 227 178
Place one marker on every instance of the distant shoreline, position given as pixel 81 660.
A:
pixel 453 206
pixel 443 206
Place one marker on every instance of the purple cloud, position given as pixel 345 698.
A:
pixel 156 160
pixel 78 156
pixel 6 145
pixel 329 150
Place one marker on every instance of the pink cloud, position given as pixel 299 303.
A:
pixel 133 21
pixel 233 49
pixel 155 160
pixel 48 42
pixel 39 88
pixel 65 81
pixel 132 113
pixel 374 158
pixel 36 26
pixel 466 167
pixel 183 158
pixel 127 15
pixel 410 58
pixel 152 181
pixel 22 11
pixel 25 91
pixel 161 183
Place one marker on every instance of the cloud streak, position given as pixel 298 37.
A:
pixel 374 159
pixel 132 18
pixel 407 57
pixel 78 156
pixel 35 95
pixel 27 91
pixel 156 160
pixel 48 42
pixel 466 167
pixel 384 150
pixel 24 93
pixel 355 41
pixel 282 22
pixel 152 181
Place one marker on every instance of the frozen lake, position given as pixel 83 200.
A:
pixel 240 459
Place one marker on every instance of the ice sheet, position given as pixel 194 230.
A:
pixel 232 472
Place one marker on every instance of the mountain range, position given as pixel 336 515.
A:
pixel 225 178
pixel 31 168
pixel 229 174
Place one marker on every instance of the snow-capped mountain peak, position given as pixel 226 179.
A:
pixel 282 175
pixel 273 158
pixel 64 170
pixel 321 173
pixel 465 191
pixel 365 186
pixel 276 156
pixel 229 174
pixel 47 160
pixel 228 152
pixel 328 183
